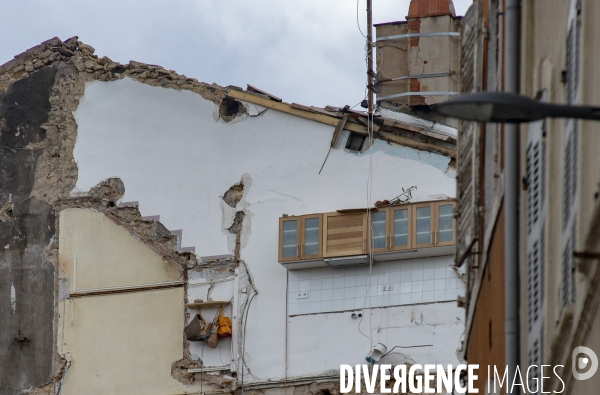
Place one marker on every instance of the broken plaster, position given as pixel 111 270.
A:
pixel 235 220
pixel 440 162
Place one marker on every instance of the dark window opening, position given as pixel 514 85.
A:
pixel 355 142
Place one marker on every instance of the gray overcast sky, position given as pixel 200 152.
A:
pixel 308 51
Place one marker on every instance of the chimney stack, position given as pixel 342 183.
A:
pixel 419 59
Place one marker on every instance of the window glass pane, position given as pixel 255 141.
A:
pixel 290 229
pixel 311 236
pixel 401 228
pixel 378 227
pixel 423 225
pixel 445 223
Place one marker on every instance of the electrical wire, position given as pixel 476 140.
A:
pixel 244 337
pixel 421 345
pixel 59 389
pixel 202 366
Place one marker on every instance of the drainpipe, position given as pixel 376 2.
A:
pixel 511 195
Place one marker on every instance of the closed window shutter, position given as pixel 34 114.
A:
pixel 567 295
pixel 567 289
pixel 535 170
pixel 468 144
pixel 573 52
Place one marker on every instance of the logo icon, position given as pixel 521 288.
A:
pixel 581 358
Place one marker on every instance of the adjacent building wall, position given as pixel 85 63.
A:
pixel 426 53
pixel 558 181
pixel 485 345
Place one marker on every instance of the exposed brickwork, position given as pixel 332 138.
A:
pixel 414 26
pixel 424 8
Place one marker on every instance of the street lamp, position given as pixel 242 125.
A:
pixel 510 108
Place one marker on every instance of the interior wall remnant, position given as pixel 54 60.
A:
pixel 230 108
pixel 27 226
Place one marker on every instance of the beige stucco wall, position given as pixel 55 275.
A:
pixel 119 343
pixel 543 53
pixel 392 59
pixel 124 343
pixel 107 254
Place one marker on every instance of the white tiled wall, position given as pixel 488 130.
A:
pixel 421 280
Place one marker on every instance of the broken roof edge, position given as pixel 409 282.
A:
pixel 417 135
pixel 82 57
pixel 420 135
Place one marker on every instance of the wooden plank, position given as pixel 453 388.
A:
pixel 211 303
pixel 255 89
pixel 345 251
pixel 342 230
pixel 286 108
pixel 337 132
pixel 365 121
pixel 333 121
pixel 323 111
pixel 344 236
pixel 354 210
pixel 345 241
pixel 437 136
pixel 417 144
pixel 301 107
pixel 350 220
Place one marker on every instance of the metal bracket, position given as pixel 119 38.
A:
pixel 412 35
pixel 405 77
pixel 416 94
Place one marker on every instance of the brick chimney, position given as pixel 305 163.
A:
pixel 419 57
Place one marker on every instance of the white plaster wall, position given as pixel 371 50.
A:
pixel 177 161
pixel 321 342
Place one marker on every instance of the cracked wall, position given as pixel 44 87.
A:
pixel 179 161
pixel 39 90
pixel 26 230
pixel 209 173
pixel 415 56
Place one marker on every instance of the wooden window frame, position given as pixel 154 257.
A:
pixel 369 231
pixel 319 253
pixel 436 237
pixel 432 215
pixel 298 219
pixel 410 238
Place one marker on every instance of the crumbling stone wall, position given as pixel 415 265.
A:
pixel 26 230
pixel 39 91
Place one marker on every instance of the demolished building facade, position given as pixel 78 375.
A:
pixel 134 197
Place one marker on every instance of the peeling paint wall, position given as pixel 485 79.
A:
pixel 119 342
pixel 26 231
pixel 186 165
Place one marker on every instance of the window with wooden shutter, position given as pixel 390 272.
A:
pixel 573 52
pixel 567 296
pixel 535 361
pixel 468 144
pixel 535 205
pixel 570 157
